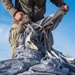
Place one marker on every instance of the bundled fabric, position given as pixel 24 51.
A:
pixel 34 54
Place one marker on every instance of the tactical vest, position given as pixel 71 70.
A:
pixel 35 9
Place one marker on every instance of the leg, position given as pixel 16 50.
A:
pixel 13 37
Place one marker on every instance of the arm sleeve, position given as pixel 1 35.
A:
pixel 58 2
pixel 9 7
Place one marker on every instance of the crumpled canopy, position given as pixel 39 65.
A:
pixel 35 55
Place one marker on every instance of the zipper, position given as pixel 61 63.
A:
pixel 33 11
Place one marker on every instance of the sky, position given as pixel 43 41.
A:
pixel 64 34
